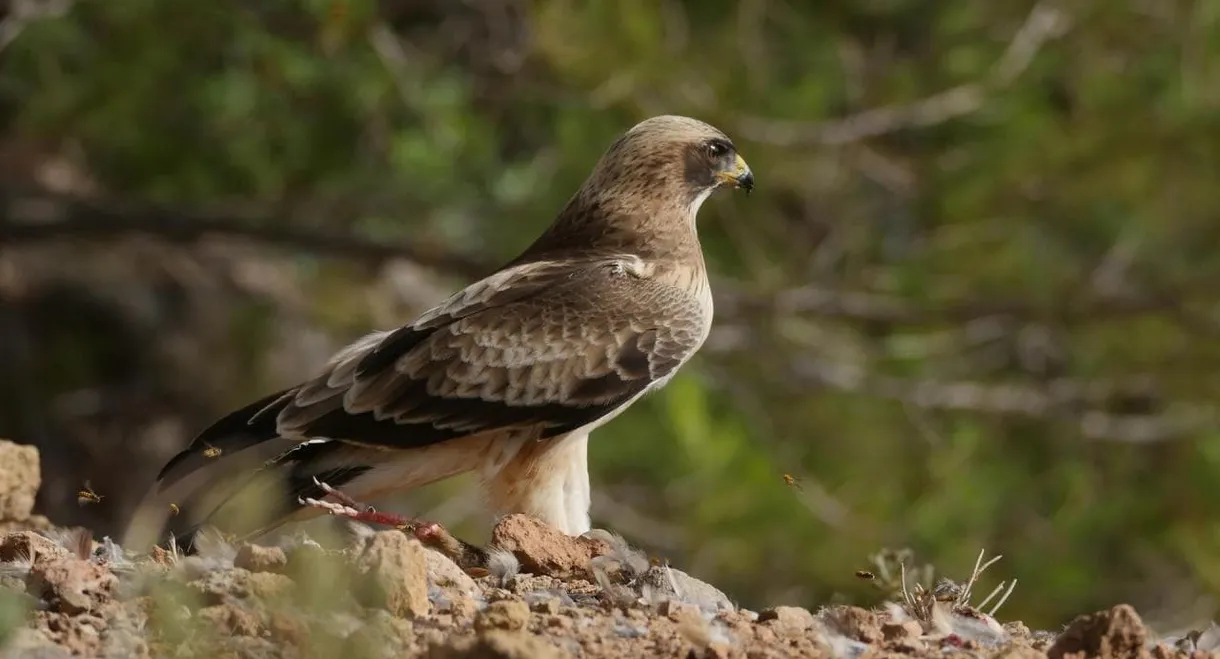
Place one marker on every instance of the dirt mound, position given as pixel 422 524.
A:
pixel 539 594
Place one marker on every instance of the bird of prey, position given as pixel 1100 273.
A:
pixel 505 378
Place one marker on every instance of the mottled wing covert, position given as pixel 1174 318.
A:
pixel 544 347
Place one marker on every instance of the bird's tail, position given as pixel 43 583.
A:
pixel 239 477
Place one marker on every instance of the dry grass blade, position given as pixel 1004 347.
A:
pixel 919 593
pixel 906 595
pixel 995 591
pixel 1003 598
pixel 979 567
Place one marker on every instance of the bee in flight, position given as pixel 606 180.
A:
pixel 86 495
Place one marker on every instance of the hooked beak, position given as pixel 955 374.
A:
pixel 740 176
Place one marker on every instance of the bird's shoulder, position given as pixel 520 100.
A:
pixel 547 301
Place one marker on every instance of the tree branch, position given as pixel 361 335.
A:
pixel 1069 400
pixel 35 216
pixel 867 306
pixel 1042 24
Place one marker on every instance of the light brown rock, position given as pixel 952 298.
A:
pixel 393 574
pixel 1014 651
pixel 547 605
pixel 545 550
pixel 220 586
pixel 230 619
pixel 505 614
pixel 498 645
pixel 901 630
pixel 26 642
pixel 70 585
pixel 674 583
pixel 20 476
pixel 269 586
pixel 257 558
pixel 27 545
pixel 80 634
pixel 1114 634
pixel 446 575
pixel 856 623
pixel 454 584
pixel 678 611
pixel 786 619
pixel 383 635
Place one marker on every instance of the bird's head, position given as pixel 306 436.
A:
pixel 645 191
pixel 672 158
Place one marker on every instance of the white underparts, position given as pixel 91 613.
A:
pixel 692 211
pixel 562 497
pixel 548 480
pixel 578 496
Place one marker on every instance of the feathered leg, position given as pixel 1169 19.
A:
pixel 547 479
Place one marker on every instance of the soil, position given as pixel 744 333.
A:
pixel 539 594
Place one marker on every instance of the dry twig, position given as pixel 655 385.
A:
pixel 42 215
pixel 1043 23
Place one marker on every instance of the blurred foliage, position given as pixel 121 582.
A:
pixel 971 302
pixel 14 610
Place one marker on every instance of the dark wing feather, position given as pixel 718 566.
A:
pixel 548 347
pixel 416 413
pixel 236 431
pixel 579 348
pixel 255 423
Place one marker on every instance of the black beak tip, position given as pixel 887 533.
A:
pixel 746 182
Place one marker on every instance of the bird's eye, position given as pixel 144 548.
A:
pixel 717 148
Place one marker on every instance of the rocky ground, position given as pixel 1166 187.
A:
pixel 540 594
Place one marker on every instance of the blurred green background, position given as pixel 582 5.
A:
pixel 971 303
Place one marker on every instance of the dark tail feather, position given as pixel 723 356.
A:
pixel 191 485
pixel 264 500
pixel 241 478
pixel 247 427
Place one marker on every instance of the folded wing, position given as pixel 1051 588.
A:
pixel 543 348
